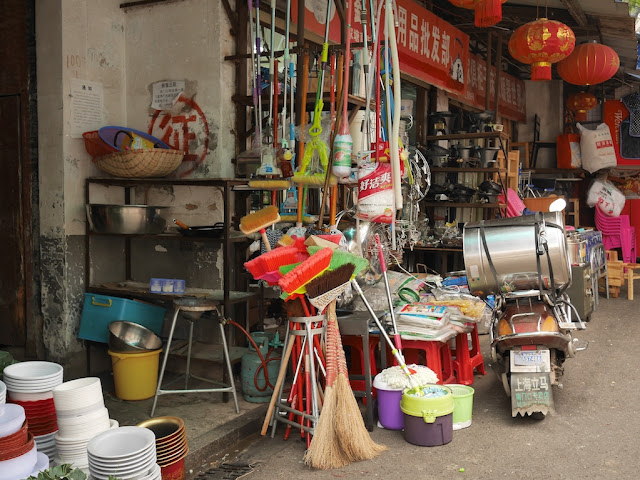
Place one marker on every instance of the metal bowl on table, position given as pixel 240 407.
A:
pixel 131 337
pixel 126 219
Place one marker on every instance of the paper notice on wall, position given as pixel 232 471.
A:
pixel 166 94
pixel 86 106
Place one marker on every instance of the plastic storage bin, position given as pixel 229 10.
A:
pixel 100 310
pixel 428 421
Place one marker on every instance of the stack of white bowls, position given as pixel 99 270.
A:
pixel 126 453
pixel 30 384
pixel 3 393
pixel 81 416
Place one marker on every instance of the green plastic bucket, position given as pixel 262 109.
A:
pixel 463 405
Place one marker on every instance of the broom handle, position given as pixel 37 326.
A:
pixel 396 353
pixel 276 388
pixel 325 190
pixel 383 265
pixel 265 240
pixel 304 79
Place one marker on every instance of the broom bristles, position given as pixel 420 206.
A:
pixel 258 220
pixel 340 436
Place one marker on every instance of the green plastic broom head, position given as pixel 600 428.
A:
pixel 340 257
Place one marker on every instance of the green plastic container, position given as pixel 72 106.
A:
pixel 463 405
pixel 428 421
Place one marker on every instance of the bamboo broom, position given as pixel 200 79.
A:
pixel 340 436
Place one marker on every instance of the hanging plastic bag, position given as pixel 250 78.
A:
pixel 606 196
pixel 568 151
pixel 596 147
pixel 375 197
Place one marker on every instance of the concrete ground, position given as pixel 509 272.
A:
pixel 593 435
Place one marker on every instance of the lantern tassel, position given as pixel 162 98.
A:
pixel 541 71
pixel 488 13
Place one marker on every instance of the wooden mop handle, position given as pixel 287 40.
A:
pixel 265 240
pixel 276 389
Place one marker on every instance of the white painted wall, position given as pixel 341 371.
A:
pixel 125 51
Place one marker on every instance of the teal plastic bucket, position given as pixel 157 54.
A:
pixel 463 405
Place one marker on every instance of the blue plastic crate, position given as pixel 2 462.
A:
pixel 100 310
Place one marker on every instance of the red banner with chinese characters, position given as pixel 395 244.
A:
pixel 512 98
pixel 430 49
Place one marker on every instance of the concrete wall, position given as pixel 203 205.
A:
pixel 125 51
pixel 546 100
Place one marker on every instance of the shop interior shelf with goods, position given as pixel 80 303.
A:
pixel 132 247
pixel 469 175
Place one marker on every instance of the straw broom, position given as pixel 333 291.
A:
pixel 340 435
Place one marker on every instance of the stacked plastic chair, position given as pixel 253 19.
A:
pixel 617 232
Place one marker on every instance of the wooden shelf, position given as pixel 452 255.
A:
pixel 174 236
pixel 463 205
pixel 134 290
pixel 467 170
pixel 467 136
pixel 434 249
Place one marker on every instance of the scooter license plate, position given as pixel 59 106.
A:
pixel 530 360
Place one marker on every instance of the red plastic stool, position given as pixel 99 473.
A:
pixel 354 342
pixel 437 356
pixel 467 360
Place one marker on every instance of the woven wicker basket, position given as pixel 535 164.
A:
pixel 154 162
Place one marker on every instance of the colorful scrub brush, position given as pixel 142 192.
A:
pixel 296 279
pixel 327 287
pixel 259 221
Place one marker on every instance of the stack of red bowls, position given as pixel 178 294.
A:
pixel 30 385
pixel 19 457
pixel 41 415
pixel 171 445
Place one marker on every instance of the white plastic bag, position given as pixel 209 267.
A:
pixel 608 198
pixel 596 148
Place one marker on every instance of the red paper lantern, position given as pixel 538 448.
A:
pixel 541 43
pixel 589 64
pixel 580 104
pixel 488 12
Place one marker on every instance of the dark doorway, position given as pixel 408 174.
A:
pixel 18 134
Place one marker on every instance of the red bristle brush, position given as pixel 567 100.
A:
pixel 279 257
pixel 306 271
pixel 255 267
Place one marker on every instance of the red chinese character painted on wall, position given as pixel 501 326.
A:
pixel 187 131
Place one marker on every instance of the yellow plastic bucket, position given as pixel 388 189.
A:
pixel 135 374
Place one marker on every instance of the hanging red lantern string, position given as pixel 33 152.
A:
pixel 589 64
pixel 580 104
pixel 541 43
pixel 487 12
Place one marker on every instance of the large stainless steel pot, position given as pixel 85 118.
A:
pixel 126 219
pixel 511 243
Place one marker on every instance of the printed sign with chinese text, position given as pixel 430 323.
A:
pixel 429 49
pixel 512 99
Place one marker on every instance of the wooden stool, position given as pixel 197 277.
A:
pixel 631 276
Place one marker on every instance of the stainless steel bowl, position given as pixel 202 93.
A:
pixel 126 219
pixel 130 337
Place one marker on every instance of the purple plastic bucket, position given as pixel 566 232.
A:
pixel 418 432
pixel 389 414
